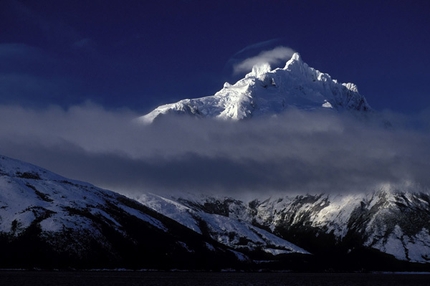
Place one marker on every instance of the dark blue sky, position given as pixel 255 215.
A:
pixel 74 74
pixel 139 54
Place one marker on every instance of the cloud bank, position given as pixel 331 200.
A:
pixel 271 57
pixel 298 152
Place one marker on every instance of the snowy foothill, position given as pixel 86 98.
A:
pixel 229 231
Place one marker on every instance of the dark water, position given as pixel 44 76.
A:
pixel 15 278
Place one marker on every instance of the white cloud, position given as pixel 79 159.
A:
pixel 299 152
pixel 270 57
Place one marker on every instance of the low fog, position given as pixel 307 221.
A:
pixel 297 152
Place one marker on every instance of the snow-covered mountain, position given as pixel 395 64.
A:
pixel 387 221
pixel 266 92
pixel 233 232
pixel 47 220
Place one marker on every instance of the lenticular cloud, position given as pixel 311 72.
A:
pixel 270 57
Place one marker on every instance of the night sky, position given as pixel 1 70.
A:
pixel 140 54
pixel 74 76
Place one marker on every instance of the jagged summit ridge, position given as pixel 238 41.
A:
pixel 266 92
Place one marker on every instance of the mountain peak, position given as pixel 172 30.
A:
pixel 296 57
pixel 295 65
pixel 267 92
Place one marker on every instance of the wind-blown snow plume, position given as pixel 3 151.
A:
pixel 270 57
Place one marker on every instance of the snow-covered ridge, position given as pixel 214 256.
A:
pixel 393 222
pixel 30 194
pixel 266 92
pixel 79 222
pixel 233 232
pixel 71 217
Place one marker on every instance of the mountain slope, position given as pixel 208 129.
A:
pixel 266 92
pixel 387 221
pixel 49 221
pixel 232 232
